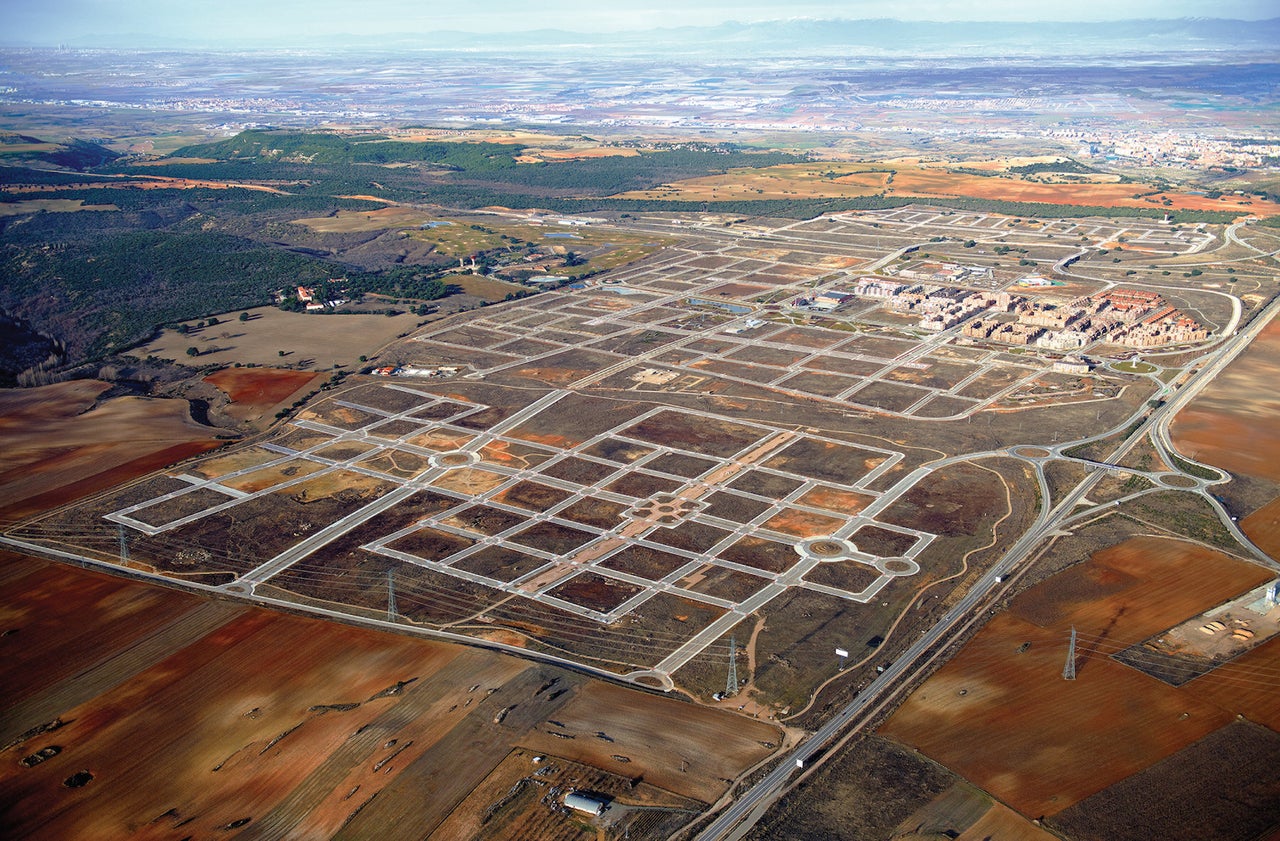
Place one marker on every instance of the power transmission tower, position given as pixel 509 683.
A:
pixel 391 596
pixel 124 546
pixel 1069 668
pixel 731 685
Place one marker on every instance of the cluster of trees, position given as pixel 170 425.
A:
pixel 100 293
pixel 1069 165
pixel 265 146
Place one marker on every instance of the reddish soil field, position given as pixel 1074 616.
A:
pixel 1221 425
pixel 834 499
pixel 939 182
pixel 255 391
pixel 999 714
pixel 1225 787
pixel 802 523
pixel 58 444
pixel 294 727
pixel 49 629
pixel 1244 685
pixel 1263 527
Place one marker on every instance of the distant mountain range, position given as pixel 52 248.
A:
pixel 801 37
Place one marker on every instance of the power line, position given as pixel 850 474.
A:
pixel 1069 668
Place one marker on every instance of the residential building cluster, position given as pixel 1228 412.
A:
pixel 1126 317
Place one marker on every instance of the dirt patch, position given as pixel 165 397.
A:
pixel 722 583
pixel 592 511
pixel 532 496
pixel 835 499
pixel 882 542
pixel 680 464
pixel 431 545
pixel 579 471
pixel 276 474
pixel 734 507
pixel 763 483
pixel 469 480
pixel 500 563
pixel 689 535
pixel 595 592
pixel 760 553
pixel 623 452
pixel 799 523
pixel 644 561
pixel 843 575
pixel 552 537
pixel 642 485
pixel 482 519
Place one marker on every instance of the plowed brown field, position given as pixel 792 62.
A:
pixel 1001 715
pixel 197 718
pixel 793 181
pixel 255 391
pixel 1221 427
pixel 61 444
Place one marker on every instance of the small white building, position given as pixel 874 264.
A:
pixel 583 803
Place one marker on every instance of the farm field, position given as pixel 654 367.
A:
pixel 255 393
pixel 1000 712
pixel 348 733
pixel 62 442
pixel 1220 426
pixel 909 178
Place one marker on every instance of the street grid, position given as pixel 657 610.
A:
pixel 728 511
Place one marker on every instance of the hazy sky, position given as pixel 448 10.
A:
pixel 51 21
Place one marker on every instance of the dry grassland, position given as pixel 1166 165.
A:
pixel 311 342
pixel 18 208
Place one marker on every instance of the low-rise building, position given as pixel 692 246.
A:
pixel 580 802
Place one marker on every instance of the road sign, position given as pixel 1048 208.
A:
pixel 840 652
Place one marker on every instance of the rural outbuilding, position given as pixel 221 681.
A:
pixel 583 803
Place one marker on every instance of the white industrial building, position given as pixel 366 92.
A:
pixel 583 803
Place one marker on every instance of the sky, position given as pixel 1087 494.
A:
pixel 58 21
